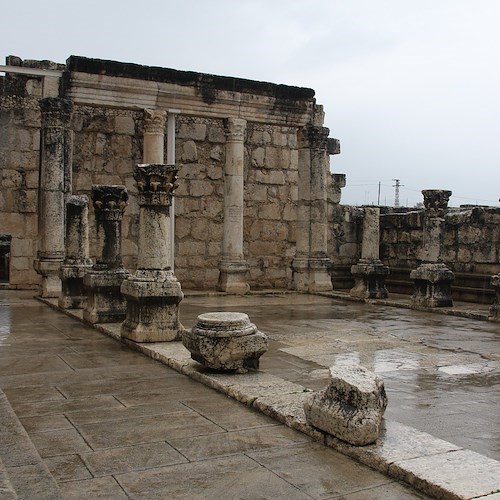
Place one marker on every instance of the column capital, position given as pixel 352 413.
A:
pixel 56 111
pixel 154 121
pixel 156 183
pixel 109 201
pixel 235 129
pixel 313 137
pixel 436 201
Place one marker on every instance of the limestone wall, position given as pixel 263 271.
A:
pixel 19 160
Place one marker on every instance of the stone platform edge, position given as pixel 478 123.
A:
pixel 431 465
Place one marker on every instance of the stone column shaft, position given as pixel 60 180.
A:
pixel 77 262
pixel 153 293
pixel 154 136
pixel 233 268
pixel 433 278
pixel 105 304
pixel 311 265
pixel 369 273
pixel 56 115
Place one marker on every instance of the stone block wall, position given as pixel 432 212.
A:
pixel 19 162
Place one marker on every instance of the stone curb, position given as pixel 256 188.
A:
pixel 405 305
pixel 431 465
pixel 22 471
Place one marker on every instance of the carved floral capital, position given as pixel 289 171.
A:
pixel 109 202
pixel 235 129
pixel 436 201
pixel 56 112
pixel 154 121
pixel 156 183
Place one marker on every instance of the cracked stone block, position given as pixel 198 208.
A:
pixel 225 341
pixel 351 407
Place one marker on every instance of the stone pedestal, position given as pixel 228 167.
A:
pixel 351 407
pixel 432 286
pixel 225 341
pixel 494 314
pixel 369 273
pixel 432 279
pixel 77 262
pixel 369 279
pixel 105 303
pixel 311 265
pixel 232 266
pixel 55 167
pixel 153 293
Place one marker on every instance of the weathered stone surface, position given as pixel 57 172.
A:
pixel 225 341
pixel 351 407
pixel 153 293
pixel 369 276
pixel 105 303
pixel 77 262
pixel 432 285
pixel 494 313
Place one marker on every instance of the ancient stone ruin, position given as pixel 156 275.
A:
pixel 225 341
pixel 256 206
pixel 105 303
pixel 153 292
pixel 351 407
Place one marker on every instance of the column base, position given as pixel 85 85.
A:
pixel 494 312
pixel 233 277
pixel 369 279
pixel 73 295
pixel 49 270
pixel 225 341
pixel 153 299
pixel 105 303
pixel 312 275
pixel 432 286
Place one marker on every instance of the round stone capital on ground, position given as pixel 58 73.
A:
pixel 224 324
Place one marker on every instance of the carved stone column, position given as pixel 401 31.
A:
pixel 432 278
pixel 154 136
pixel 232 266
pixel 54 174
pixel 494 314
pixel 153 293
pixel 105 303
pixel 369 273
pixel 311 265
pixel 77 262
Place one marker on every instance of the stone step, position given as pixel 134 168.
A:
pixel 23 474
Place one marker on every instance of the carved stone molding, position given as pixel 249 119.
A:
pixel 156 183
pixel 154 121
pixel 313 137
pixel 109 201
pixel 436 201
pixel 56 112
pixel 235 129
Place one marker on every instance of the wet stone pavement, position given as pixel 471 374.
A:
pixel 441 373
pixel 84 416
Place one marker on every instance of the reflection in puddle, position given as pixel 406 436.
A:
pixel 4 324
pixel 466 369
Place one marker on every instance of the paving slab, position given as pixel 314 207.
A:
pixel 277 393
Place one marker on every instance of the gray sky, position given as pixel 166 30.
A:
pixel 411 88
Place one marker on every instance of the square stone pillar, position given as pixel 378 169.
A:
pixel 77 262
pixel 153 293
pixel 233 268
pixel 369 273
pixel 55 165
pixel 311 265
pixel 105 303
pixel 494 313
pixel 432 279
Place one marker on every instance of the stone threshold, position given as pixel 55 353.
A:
pixel 449 311
pixel 433 466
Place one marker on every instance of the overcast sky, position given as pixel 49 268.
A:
pixel 411 88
